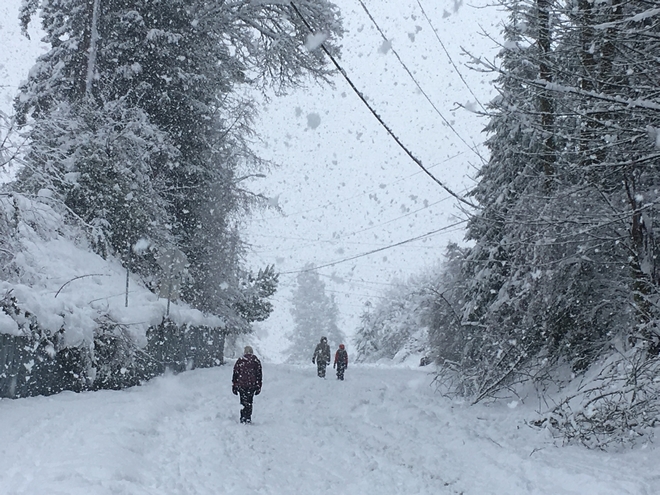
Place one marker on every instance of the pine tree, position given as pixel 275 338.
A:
pixel 512 192
pixel 563 262
pixel 99 164
pixel 315 315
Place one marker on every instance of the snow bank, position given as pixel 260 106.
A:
pixel 382 431
pixel 60 282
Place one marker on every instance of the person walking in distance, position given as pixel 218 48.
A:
pixel 321 356
pixel 246 381
pixel 341 361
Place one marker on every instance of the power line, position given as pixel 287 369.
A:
pixel 380 119
pixel 292 250
pixel 340 239
pixel 374 251
pixel 393 219
pixel 365 229
pixel 451 60
pixel 354 281
pixel 311 242
pixel 414 79
pixel 332 203
pixel 344 293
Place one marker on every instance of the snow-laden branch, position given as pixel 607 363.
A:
pixel 562 88
pixel 76 278
pixel 642 16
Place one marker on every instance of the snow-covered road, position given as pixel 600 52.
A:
pixel 382 431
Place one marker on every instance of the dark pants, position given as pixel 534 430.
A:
pixel 320 368
pixel 340 371
pixel 247 396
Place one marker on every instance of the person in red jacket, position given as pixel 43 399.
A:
pixel 341 361
pixel 246 381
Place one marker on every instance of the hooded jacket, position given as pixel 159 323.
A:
pixel 322 352
pixel 341 357
pixel 247 373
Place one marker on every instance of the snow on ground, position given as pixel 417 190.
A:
pixel 382 431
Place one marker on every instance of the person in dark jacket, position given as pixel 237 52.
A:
pixel 246 381
pixel 321 356
pixel 341 361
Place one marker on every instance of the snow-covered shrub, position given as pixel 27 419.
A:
pixel 114 359
pixel 394 327
pixel 412 318
pixel 617 401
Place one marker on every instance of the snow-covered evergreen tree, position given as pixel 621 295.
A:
pixel 139 122
pixel 498 271
pixel 418 318
pixel 99 163
pixel 315 315
pixel 396 327
pixel 156 85
pixel 563 266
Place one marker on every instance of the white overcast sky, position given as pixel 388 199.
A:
pixel 344 186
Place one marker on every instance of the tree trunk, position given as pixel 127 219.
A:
pixel 546 104
pixel 91 52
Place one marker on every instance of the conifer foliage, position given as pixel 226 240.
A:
pixel 559 287
pixel 315 315
pixel 563 267
pixel 138 121
pixel 138 128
